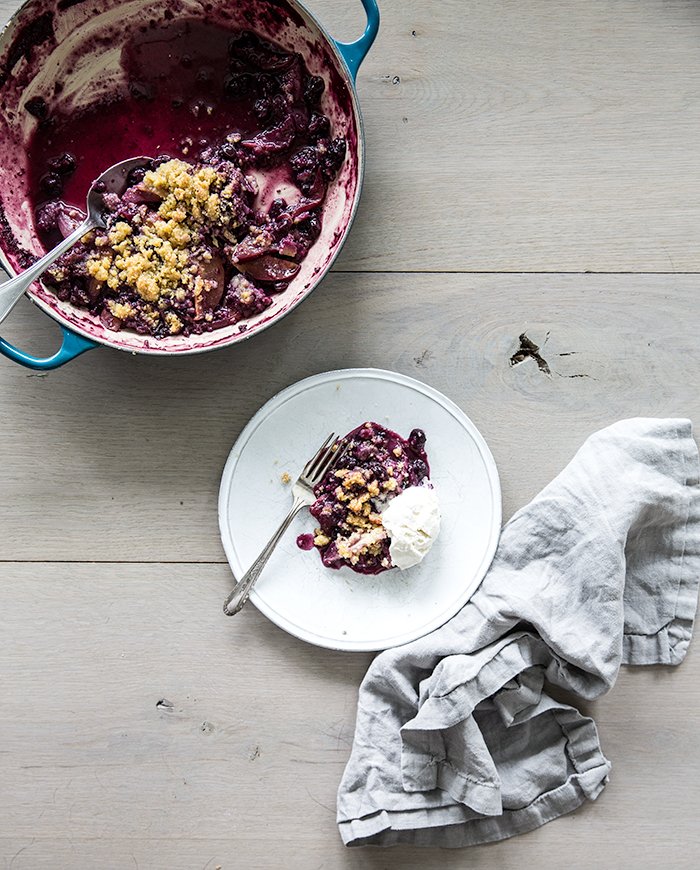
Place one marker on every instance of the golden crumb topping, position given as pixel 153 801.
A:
pixel 120 309
pixel 360 542
pixel 354 478
pixel 356 504
pixel 173 322
pixel 188 193
pixel 154 256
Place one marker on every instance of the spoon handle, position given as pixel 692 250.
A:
pixel 11 290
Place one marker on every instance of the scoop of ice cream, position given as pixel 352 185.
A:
pixel 412 521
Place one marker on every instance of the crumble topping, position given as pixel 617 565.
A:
pixel 156 253
pixel 378 465
pixel 357 545
pixel 119 309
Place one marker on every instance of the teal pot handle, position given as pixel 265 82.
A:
pixel 354 52
pixel 73 345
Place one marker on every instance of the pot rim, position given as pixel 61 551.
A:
pixel 238 337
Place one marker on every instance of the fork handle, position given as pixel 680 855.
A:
pixel 241 590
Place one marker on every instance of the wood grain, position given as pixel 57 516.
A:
pixel 119 457
pixel 538 136
pixel 503 138
pixel 241 771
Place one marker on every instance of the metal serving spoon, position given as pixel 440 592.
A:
pixel 111 181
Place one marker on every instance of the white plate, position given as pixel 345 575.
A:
pixel 342 609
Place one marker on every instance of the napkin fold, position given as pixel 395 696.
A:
pixel 458 738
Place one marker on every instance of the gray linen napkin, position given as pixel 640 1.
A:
pixel 457 740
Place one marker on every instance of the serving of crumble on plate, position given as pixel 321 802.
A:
pixel 379 466
pixel 344 609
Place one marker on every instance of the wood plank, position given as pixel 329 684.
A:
pixel 543 136
pixel 119 457
pixel 539 136
pixel 554 137
pixel 242 770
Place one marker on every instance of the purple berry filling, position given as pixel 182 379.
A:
pixel 197 93
pixel 378 466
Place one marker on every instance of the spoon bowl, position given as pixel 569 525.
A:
pixel 113 180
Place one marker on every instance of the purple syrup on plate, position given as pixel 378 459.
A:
pixel 305 542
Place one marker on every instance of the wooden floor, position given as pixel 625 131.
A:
pixel 532 168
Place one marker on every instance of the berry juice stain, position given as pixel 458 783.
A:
pixel 305 542
pixel 178 99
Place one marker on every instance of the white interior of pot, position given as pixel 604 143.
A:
pixel 98 71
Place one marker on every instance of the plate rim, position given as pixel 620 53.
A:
pixel 300 386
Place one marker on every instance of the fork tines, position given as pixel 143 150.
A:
pixel 325 459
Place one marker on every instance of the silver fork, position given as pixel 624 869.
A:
pixel 314 471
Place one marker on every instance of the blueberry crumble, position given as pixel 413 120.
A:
pixel 379 469
pixel 228 208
